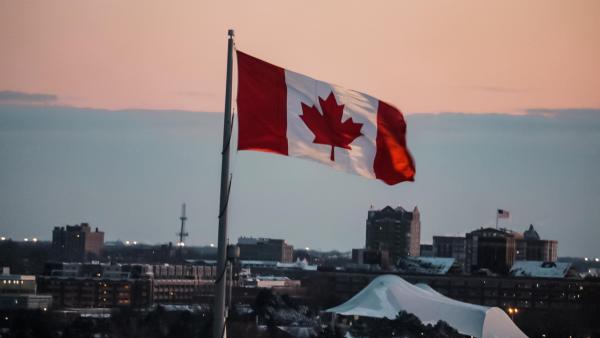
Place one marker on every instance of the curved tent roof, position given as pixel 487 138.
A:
pixel 387 295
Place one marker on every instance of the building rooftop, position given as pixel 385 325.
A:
pixel 398 212
pixel 426 265
pixel 493 232
pixel 531 234
pixel 254 241
pixel 540 269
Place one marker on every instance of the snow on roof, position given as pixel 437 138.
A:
pixel 298 264
pixel 540 269
pixel 387 295
pixel 258 263
pixel 299 331
pixel 272 278
pixel 186 307
pixel 426 265
pixel 303 265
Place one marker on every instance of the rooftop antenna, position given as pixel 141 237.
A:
pixel 182 234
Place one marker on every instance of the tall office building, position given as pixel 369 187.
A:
pixel 76 243
pixel 396 230
pixel 490 248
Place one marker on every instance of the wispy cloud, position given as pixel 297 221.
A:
pixel 14 97
pixel 565 112
pixel 497 89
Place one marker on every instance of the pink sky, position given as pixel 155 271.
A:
pixel 422 56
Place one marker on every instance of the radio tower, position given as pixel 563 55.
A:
pixel 182 234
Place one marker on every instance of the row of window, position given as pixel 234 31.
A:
pixel 13 282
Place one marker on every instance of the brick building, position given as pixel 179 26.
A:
pixel 138 285
pixel 265 249
pixel 531 248
pixel 76 243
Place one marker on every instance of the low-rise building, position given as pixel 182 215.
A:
pixel 265 249
pixel 270 282
pixel 426 250
pixel 136 285
pixel 541 269
pixel 20 292
pixel 371 257
pixel 451 247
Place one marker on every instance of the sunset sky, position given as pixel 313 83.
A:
pixel 109 113
pixel 422 56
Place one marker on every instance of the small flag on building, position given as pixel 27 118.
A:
pixel 291 114
pixel 503 213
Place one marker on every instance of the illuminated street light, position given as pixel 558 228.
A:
pixel 212 245
pixel 126 242
pixel 3 238
pixel 134 242
pixel 307 249
pixel 26 239
pixel 35 239
pixel 586 259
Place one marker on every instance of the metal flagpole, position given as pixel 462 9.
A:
pixel 219 307
pixel 496 219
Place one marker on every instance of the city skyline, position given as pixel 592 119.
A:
pixel 110 114
pixel 128 172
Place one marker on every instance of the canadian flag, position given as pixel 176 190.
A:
pixel 291 114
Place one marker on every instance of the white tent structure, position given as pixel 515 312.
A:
pixel 387 295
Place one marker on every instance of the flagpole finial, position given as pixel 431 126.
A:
pixel 230 33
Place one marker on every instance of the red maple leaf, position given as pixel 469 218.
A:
pixel 328 127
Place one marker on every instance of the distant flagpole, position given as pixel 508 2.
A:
pixel 501 213
pixel 219 311
pixel 497 219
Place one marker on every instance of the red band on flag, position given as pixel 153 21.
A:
pixel 393 163
pixel 288 113
pixel 262 96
